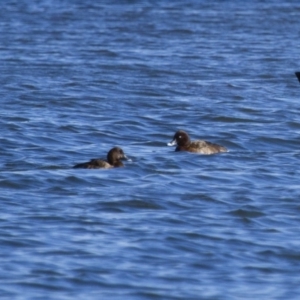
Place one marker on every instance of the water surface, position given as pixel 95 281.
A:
pixel 79 77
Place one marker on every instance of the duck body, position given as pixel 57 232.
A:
pixel 95 164
pixel 114 157
pixel 183 142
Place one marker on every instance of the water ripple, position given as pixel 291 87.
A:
pixel 80 78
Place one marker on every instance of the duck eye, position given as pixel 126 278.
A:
pixel 180 137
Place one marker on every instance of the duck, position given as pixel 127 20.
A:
pixel 114 157
pixel 183 142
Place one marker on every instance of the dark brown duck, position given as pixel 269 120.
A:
pixel 114 157
pixel 183 142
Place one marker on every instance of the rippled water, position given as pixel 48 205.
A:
pixel 79 77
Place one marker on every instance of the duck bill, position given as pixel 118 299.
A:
pixel 172 143
pixel 126 158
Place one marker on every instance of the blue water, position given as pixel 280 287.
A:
pixel 79 77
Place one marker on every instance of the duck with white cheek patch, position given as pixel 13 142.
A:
pixel 182 140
